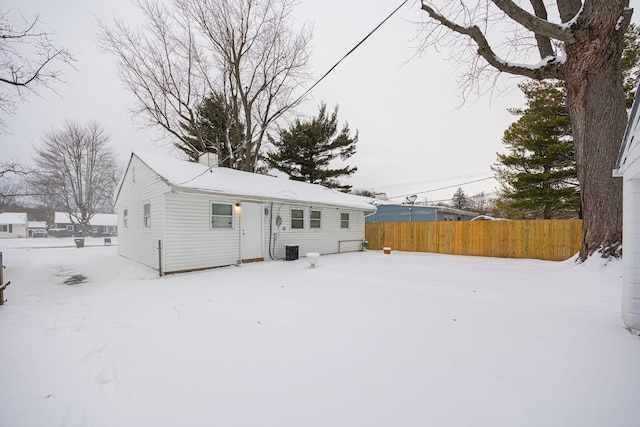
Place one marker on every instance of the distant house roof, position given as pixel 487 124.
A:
pixel 104 219
pixel 98 219
pixel 13 218
pixel 630 140
pixel 219 180
pixel 37 224
pixel 446 209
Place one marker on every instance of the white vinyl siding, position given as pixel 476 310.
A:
pixel 221 215
pixel 136 242
pixel 191 243
pixel 297 219
pixel 324 240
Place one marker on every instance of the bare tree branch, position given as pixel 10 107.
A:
pixel 544 42
pixel 548 68
pixel 534 23
pixel 28 61
pixel 245 50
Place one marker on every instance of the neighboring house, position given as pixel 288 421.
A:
pixel 628 168
pixel 388 212
pixel 205 217
pixel 99 226
pixel 39 226
pixel 64 226
pixel 103 225
pixel 13 224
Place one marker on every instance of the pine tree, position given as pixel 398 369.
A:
pixel 538 176
pixel 460 200
pixel 213 126
pixel 306 150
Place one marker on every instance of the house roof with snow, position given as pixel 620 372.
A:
pixel 37 224
pixel 629 147
pixel 13 218
pixel 446 209
pixel 194 176
pixel 98 219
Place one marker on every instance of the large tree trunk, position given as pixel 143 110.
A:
pixel 598 117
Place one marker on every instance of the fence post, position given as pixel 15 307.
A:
pixel 160 257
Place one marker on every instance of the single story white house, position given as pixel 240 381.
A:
pixel 628 168
pixel 177 216
pixel 13 225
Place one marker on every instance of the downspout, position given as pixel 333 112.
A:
pixel 271 231
pixel 238 210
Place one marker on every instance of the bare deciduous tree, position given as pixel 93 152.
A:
pixel 28 61
pixel 481 203
pixel 583 49
pixel 9 186
pixel 246 50
pixel 76 170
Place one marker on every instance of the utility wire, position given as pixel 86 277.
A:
pixel 442 188
pixel 430 181
pixel 350 52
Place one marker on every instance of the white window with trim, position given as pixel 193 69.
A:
pixel 315 219
pixel 146 215
pixel 221 215
pixel 125 218
pixel 344 220
pixel 6 228
pixel 297 219
pixel 70 228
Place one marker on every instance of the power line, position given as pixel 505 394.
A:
pixel 429 181
pixel 350 52
pixel 442 188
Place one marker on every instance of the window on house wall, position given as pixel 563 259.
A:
pixel 344 220
pixel 297 218
pixel 315 219
pixel 4 228
pixel 125 218
pixel 69 227
pixel 221 215
pixel 146 221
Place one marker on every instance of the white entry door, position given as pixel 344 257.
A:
pixel 252 235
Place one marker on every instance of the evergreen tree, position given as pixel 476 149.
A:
pixel 306 149
pixel 538 175
pixel 460 200
pixel 213 126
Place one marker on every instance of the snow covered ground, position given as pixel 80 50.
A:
pixel 363 339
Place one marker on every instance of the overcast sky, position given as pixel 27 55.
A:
pixel 414 134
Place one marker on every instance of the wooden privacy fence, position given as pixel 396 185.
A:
pixel 554 240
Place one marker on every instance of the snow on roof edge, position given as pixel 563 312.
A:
pixel 194 177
